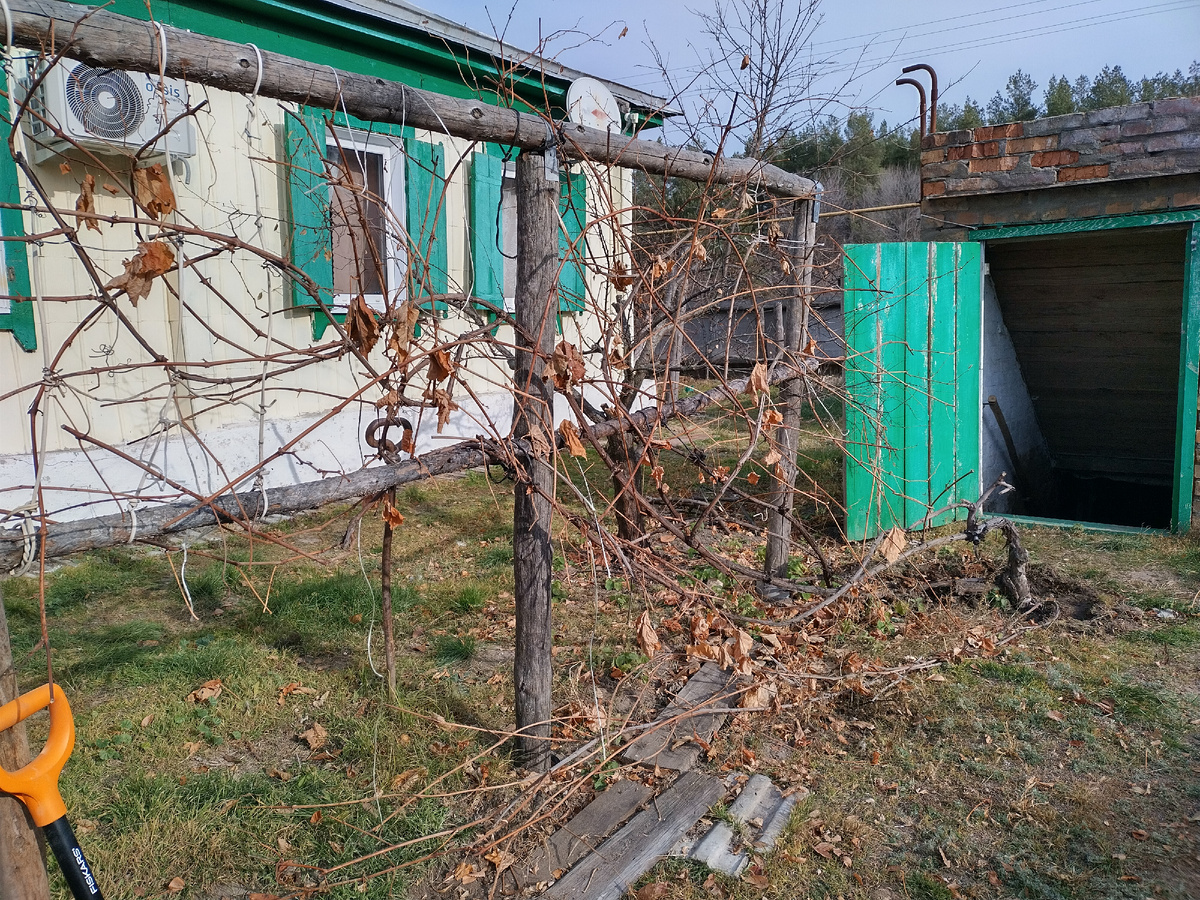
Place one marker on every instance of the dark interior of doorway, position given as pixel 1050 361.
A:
pixel 1093 321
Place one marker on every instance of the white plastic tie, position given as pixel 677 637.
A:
pixel 258 54
pixel 8 39
pixel 162 48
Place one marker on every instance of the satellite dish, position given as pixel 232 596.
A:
pixel 592 104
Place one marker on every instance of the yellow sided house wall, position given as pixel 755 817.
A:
pixel 231 308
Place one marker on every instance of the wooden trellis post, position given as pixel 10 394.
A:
pixel 793 391
pixel 22 868
pixel 533 422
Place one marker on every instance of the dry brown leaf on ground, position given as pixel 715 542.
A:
pixel 362 328
pixel 210 690
pixel 465 873
pixel 740 649
pixel 315 736
pixel 567 364
pixel 757 877
pixel 152 187
pixel 501 859
pixel 893 544
pixel 175 885
pixel 760 695
pixel 294 687
pixel 86 203
pixel 152 259
pixel 571 435
pixel 647 637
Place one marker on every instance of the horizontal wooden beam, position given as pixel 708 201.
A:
pixel 64 538
pixel 102 38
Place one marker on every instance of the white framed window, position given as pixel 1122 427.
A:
pixel 366 205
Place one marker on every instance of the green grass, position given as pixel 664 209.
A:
pixel 450 649
pixel 471 598
pixel 497 557
pixel 1005 769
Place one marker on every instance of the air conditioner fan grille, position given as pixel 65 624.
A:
pixel 106 101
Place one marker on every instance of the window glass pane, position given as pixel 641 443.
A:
pixel 359 248
pixel 508 228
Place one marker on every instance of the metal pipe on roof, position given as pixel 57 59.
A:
pixel 933 91
pixel 921 92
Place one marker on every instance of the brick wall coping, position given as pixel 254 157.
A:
pixel 1160 137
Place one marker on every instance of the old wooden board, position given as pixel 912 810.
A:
pixel 658 747
pixel 584 832
pixel 623 858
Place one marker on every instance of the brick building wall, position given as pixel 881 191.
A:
pixel 1126 160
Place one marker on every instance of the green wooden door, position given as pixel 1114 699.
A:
pixel 913 345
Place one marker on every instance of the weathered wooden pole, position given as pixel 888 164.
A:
pixel 385 592
pixel 533 422
pixel 793 393
pixel 22 867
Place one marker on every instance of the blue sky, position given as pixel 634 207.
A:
pixel 974 46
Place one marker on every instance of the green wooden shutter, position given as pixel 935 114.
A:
pixel 310 241
pixel 913 346
pixel 19 318
pixel 572 291
pixel 487 175
pixel 424 189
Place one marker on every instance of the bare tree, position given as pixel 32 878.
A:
pixel 761 54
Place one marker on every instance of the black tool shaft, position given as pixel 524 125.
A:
pixel 75 867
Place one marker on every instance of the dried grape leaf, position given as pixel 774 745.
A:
pixel 152 187
pixel 441 366
pixel 571 435
pixel 362 328
pixel 86 203
pixel 152 259
pixel 567 364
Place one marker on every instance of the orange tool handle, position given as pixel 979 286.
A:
pixel 36 784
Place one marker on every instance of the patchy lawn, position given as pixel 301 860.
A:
pixel 1052 759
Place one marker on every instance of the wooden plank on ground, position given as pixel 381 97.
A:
pixel 627 855
pixel 658 746
pixel 584 832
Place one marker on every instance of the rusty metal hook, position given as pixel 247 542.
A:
pixel 386 449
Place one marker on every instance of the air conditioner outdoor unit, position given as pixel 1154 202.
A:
pixel 106 111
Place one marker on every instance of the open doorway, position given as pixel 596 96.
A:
pixel 1081 367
